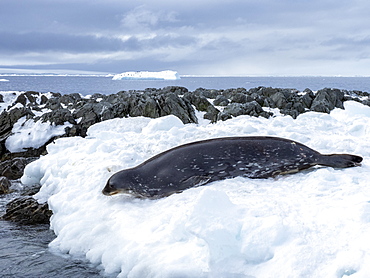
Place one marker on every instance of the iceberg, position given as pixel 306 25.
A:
pixel 147 75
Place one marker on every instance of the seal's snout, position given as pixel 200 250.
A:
pixel 108 190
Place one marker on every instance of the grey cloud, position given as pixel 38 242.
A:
pixel 36 42
pixel 188 31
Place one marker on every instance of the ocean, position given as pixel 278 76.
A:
pixel 24 250
pixel 87 84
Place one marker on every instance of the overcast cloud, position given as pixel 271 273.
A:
pixel 203 37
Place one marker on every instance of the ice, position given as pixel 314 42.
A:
pixel 161 75
pixel 311 224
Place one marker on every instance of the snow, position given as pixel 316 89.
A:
pixel 31 134
pixel 311 224
pixel 161 75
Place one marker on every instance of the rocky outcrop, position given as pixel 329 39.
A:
pixel 26 210
pixel 13 168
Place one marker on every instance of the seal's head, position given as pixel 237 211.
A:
pixel 122 182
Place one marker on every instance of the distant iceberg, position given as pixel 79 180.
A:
pixel 148 75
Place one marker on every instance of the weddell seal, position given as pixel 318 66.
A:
pixel 201 162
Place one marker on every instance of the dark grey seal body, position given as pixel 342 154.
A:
pixel 201 162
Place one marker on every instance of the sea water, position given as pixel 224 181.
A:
pixel 86 85
pixel 24 250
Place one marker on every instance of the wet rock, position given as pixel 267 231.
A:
pixel 4 185
pixel 13 168
pixel 1 98
pixel 26 210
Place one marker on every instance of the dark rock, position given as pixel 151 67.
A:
pixel 238 98
pixel 173 104
pixel 237 109
pixel 208 93
pixel 200 102
pixel 9 118
pixel 26 210
pixel 21 99
pixel 1 98
pixel 44 100
pixel 13 168
pixel 4 185
pixel 53 103
pixel 221 100
pixel 175 89
pixel 307 98
pixel 70 99
pixel 212 114
pixel 58 117
pixel 327 99
pixel 32 96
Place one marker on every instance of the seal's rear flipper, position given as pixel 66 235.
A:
pixel 340 160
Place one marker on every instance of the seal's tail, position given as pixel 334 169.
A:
pixel 340 160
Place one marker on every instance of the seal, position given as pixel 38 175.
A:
pixel 202 162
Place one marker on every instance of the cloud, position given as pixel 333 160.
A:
pixel 143 18
pixel 206 37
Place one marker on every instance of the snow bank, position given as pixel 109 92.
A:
pixel 161 75
pixel 31 134
pixel 311 224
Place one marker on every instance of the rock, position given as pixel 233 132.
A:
pixel 237 109
pixel 58 117
pixel 327 99
pixel 53 103
pixel 26 210
pixel 307 98
pixel 239 98
pixel 1 98
pixel 181 108
pixel 221 100
pixel 208 93
pixel 200 102
pixel 177 90
pixel 70 99
pixel 4 185
pixel 13 168
pixel 9 118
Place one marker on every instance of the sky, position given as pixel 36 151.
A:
pixel 193 37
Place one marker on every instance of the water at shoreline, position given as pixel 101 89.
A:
pixel 24 251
